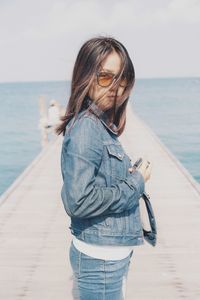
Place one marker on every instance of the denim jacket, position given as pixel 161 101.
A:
pixel 99 193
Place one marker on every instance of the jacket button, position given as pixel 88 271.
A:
pixel 119 155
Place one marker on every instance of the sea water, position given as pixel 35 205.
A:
pixel 171 107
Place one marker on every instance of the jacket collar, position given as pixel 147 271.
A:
pixel 96 110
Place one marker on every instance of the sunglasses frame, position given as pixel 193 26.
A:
pixel 113 79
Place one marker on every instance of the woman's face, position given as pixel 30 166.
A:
pixel 111 65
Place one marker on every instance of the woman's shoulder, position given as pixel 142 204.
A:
pixel 84 123
pixel 84 133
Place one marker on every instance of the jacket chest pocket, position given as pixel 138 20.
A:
pixel 116 161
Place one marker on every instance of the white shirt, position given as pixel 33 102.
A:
pixel 106 252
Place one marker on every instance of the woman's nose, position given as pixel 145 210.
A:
pixel 114 88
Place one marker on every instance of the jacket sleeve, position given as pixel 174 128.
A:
pixel 81 157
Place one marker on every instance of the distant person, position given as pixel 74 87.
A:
pixel 53 117
pixel 101 191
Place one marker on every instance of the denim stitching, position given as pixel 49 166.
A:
pixel 104 292
pixel 79 263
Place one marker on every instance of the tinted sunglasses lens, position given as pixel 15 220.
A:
pixel 104 79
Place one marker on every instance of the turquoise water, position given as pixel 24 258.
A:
pixel 171 107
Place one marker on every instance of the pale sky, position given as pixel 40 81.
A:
pixel 40 39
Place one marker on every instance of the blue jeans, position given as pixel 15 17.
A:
pixel 98 279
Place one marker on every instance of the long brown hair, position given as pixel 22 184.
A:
pixel 89 59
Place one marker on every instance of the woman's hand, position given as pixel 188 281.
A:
pixel 145 169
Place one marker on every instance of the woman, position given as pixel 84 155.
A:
pixel 100 190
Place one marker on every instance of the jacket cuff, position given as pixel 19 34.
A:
pixel 136 180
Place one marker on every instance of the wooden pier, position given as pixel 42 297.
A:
pixel 34 234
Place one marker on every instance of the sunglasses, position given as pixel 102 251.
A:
pixel 105 79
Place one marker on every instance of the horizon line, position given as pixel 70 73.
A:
pixel 68 80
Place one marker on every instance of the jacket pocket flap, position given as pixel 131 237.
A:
pixel 116 151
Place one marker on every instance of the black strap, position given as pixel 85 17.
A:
pixel 150 235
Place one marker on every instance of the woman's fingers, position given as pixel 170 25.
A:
pixel 145 169
pixel 130 170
